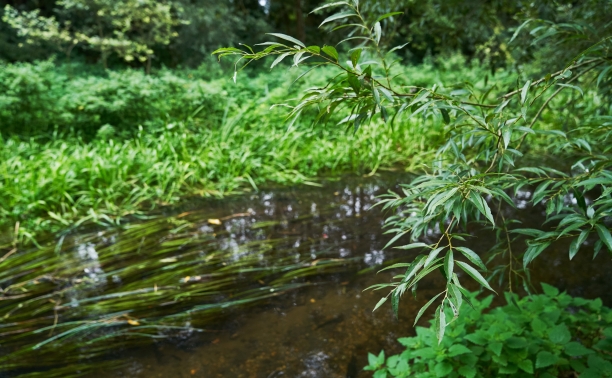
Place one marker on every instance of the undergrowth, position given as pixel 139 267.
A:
pixel 83 146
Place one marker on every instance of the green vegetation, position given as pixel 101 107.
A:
pixel 547 335
pixel 490 150
pixel 515 102
pixel 95 148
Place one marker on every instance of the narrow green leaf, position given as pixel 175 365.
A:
pixel 279 59
pixel 377 32
pixel 432 255
pixel 534 251
pixel 288 38
pixel 472 256
pixel 337 16
pixel 524 91
pixel 329 5
pixel 395 304
pixel 414 245
pixel 380 303
pixel 387 15
pixel 355 55
pixel 475 275
pixel 576 243
pixel 449 265
pixel 397 48
pixel 395 266
pixel 482 206
pixel 440 322
pixel 604 235
pixel 445 116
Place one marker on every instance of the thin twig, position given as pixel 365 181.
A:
pixel 510 94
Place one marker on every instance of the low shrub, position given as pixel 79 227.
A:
pixel 547 335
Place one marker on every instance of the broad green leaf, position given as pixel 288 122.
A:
pixel 472 256
pixel 475 275
pixel 526 366
pixel 288 38
pixel 559 334
pixel 458 349
pixel 467 371
pixel 442 369
pixel 545 359
pixel 331 51
pixel 496 347
pixel 549 290
pixel 574 349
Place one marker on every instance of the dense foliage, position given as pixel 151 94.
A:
pixel 547 335
pixel 103 146
pixel 488 156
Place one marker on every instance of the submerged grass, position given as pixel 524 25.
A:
pixel 63 308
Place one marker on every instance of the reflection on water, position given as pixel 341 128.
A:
pixel 263 285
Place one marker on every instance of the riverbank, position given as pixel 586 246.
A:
pixel 81 146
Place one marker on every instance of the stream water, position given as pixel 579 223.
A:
pixel 312 251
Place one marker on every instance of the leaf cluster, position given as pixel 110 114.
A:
pixel 542 335
pixel 487 160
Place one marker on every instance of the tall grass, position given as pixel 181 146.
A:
pixel 79 146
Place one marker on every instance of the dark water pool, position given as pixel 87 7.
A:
pixel 296 260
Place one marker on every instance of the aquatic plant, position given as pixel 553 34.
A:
pixel 65 308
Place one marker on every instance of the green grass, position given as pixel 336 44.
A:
pixel 79 146
pixel 125 144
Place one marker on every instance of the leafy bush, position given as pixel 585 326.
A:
pixel 548 335
pixel 41 97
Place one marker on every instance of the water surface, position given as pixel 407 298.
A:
pixel 268 284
